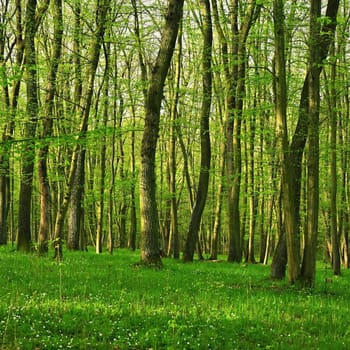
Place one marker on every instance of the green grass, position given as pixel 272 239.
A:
pixel 94 301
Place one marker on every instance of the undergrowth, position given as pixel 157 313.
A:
pixel 91 301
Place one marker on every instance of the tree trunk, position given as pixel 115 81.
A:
pixel 218 206
pixel 133 216
pixel 150 250
pixel 45 197
pixel 292 239
pixel 308 269
pixel 75 214
pixel 75 210
pixel 196 216
pixel 101 199
pixel 253 198
pixel 28 148
pixel 7 134
pixel 333 172
pixel 174 239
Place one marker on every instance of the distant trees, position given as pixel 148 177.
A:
pixel 105 129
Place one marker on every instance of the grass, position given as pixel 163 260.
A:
pixel 94 301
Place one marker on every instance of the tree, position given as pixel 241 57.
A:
pixel 75 210
pixel 297 146
pixel 192 233
pixel 45 197
pixel 150 251
pixel 102 11
pixel 333 115
pixel 32 21
pixel 282 136
pixel 174 239
pixel 10 106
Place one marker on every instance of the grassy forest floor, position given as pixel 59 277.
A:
pixel 91 301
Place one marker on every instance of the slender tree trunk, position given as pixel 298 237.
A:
pixel 233 184
pixel 174 239
pixel 111 235
pixel 28 148
pixel 133 216
pixel 252 193
pixel 8 129
pixel 101 200
pixel 344 196
pixel 218 206
pixel 202 190
pixel 308 269
pixel 333 171
pixel 150 250
pixel 292 239
pixel 45 197
pixel 75 210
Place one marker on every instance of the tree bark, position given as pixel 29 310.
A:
pixel 292 239
pixel 28 148
pixel 10 103
pixel 45 197
pixel 333 116
pixel 297 145
pixel 218 206
pixel 174 239
pixel 150 250
pixel 308 269
pixel 202 190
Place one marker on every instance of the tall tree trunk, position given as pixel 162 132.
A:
pixel 10 105
pixel 150 250
pixel 111 235
pixel 202 190
pixel 253 198
pixel 133 216
pixel 123 207
pixel 292 240
pixel 308 269
pixel 332 102
pixel 101 199
pixel 45 197
pixel 174 239
pixel 75 210
pixel 28 148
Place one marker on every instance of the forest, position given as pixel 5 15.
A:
pixel 209 129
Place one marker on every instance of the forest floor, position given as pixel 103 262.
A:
pixel 104 301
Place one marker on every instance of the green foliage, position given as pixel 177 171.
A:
pixel 93 301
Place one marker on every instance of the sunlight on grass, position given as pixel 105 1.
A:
pixel 106 302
